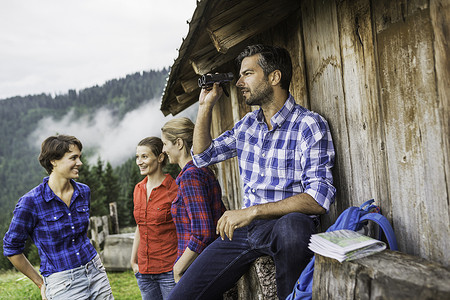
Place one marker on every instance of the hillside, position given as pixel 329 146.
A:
pixel 20 116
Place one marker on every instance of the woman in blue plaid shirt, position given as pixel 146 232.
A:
pixel 55 215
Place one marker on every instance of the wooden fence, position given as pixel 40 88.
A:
pixel 101 226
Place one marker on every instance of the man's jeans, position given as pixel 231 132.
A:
pixel 155 286
pixel 85 282
pixel 223 262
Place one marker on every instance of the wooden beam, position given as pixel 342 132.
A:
pixel 203 63
pixel 189 85
pixel 183 98
pixel 177 108
pixel 243 21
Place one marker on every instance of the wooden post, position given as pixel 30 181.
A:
pixel 114 218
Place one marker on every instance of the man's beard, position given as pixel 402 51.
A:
pixel 263 94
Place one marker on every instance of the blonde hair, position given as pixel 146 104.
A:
pixel 183 128
pixel 180 128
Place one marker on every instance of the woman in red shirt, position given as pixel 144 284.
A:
pixel 155 241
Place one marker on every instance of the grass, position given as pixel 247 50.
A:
pixel 14 285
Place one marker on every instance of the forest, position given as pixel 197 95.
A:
pixel 20 170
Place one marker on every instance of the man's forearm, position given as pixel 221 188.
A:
pixel 233 219
pixel 302 203
pixel 202 130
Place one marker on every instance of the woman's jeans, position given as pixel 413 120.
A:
pixel 223 262
pixel 155 286
pixel 85 282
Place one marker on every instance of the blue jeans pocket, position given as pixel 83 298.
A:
pixel 57 284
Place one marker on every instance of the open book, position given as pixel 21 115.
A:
pixel 344 244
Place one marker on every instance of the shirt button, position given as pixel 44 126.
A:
pixel 264 155
pixel 253 190
pixel 69 214
pixel 78 253
pixel 262 174
pixel 73 240
pixel 73 227
pixel 54 218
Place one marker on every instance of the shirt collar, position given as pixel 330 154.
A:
pixel 280 117
pixel 188 165
pixel 166 181
pixel 50 195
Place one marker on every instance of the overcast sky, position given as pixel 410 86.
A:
pixel 50 46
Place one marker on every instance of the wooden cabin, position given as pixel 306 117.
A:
pixel 377 70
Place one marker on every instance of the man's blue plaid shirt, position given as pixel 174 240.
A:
pixel 296 156
pixel 59 232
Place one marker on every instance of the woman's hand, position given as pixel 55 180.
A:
pixel 135 267
pixel 43 296
pixel 177 271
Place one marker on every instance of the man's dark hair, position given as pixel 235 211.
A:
pixel 54 148
pixel 271 59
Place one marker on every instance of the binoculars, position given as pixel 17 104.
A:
pixel 207 80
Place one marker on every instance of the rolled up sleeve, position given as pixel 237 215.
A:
pixel 317 160
pixel 19 231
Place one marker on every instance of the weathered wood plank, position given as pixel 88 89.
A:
pixel 211 60
pixel 242 21
pixel 324 77
pixel 364 119
pixel 183 98
pixel 414 136
pixel 386 275
pixel 223 119
pixel 190 85
pixel 440 19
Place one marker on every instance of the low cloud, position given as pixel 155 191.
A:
pixel 106 135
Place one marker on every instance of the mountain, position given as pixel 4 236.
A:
pixel 21 116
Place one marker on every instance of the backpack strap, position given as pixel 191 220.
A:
pixel 385 225
pixel 367 203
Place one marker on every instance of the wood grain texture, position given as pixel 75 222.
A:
pixel 414 135
pixel 386 275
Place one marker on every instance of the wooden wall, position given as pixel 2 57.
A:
pixel 379 72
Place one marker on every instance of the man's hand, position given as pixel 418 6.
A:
pixel 209 97
pixel 233 219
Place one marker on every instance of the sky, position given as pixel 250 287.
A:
pixel 51 46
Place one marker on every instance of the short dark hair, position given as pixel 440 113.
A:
pixel 156 145
pixel 271 58
pixel 54 147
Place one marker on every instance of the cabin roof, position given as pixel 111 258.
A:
pixel 218 31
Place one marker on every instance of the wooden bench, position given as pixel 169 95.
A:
pixel 385 275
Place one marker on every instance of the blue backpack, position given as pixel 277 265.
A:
pixel 353 218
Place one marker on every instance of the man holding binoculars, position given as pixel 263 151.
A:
pixel 285 155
